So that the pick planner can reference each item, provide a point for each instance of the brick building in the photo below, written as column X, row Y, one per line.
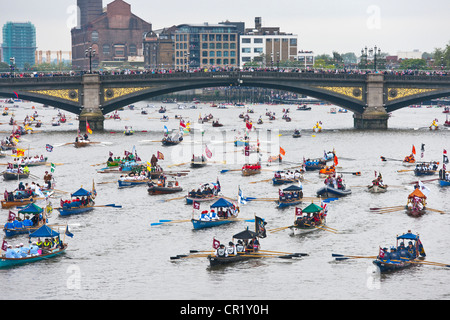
column 115, row 33
column 159, row 48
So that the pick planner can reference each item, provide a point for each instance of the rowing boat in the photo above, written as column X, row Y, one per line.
column 251, row 169
column 377, row 188
column 400, row 257
column 77, row 206
column 416, row 204
column 7, row 175
column 331, row 191
column 227, row 212
column 132, row 182
column 162, row 189
column 305, row 223
column 217, row 261
column 198, row 162
column 42, row 254
column 290, row 196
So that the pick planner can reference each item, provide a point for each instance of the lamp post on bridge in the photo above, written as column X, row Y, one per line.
column 90, row 53
column 371, row 52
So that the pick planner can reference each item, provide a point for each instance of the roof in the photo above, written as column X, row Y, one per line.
column 81, row 193
column 409, row 236
column 312, row 208
column 43, row 232
column 293, row 188
column 245, row 235
column 417, row 193
column 221, row 203
column 31, row 208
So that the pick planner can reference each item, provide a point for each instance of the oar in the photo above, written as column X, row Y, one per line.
column 109, row 205
column 178, row 198
column 385, row 159
column 266, row 180
column 290, row 253
column 428, row 180
column 381, row 208
column 310, row 225
column 435, row 210
column 279, row 229
column 167, row 222
column 389, row 211
column 225, row 170
column 178, row 164
column 429, row 263
column 345, row 257
column 358, row 173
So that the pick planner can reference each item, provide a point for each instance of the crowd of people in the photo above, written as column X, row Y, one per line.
column 397, row 253
column 242, row 247
column 36, row 248
column 288, row 175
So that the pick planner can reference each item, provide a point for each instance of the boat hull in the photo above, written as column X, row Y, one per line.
column 249, row 172
column 389, row 266
column 163, row 190
column 200, row 224
column 131, row 183
column 10, row 262
column 330, row 191
column 218, row 261
column 190, row 200
column 285, row 204
column 284, row 181
column 15, row 203
column 13, row 176
column 75, row 210
column 377, row 189
column 444, row 183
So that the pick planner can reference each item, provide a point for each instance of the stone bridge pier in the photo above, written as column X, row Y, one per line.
column 91, row 112
column 374, row 115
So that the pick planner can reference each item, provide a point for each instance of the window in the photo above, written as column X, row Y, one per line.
column 211, row 61
column 133, row 50
column 232, row 61
column 246, row 59
column 258, row 40
column 218, row 37
column 204, row 37
column 211, row 37
column 246, row 40
column 225, row 61
column 219, row 45
column 211, row 53
column 246, row 50
column 232, row 45
column 218, row 54
column 204, row 61
column 293, row 42
column 232, row 37
column 225, row 37
column 204, row 45
column 258, row 50
column 219, row 61
column 204, row 53
column 211, row 45
column 232, row 53
column 225, row 53
column 225, row 46
column 94, row 36
column 106, row 49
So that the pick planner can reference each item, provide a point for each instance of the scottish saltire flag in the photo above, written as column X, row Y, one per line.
column 241, row 198
column 48, row 147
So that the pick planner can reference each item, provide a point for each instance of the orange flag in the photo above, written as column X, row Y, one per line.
column 282, row 151
column 335, row 160
column 414, row 150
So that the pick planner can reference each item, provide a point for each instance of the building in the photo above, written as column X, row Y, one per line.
column 206, row 45
column 305, row 58
column 115, row 33
column 159, row 48
column 19, row 44
column 415, row 54
column 267, row 46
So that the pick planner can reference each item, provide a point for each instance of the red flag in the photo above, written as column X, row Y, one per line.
column 160, row 156
column 381, row 253
column 11, row 215
column 88, row 128
column 445, row 151
column 282, row 151
column 208, row 152
column 414, row 150
column 298, row 211
column 4, row 245
column 196, row 205
column 335, row 160
column 182, row 124
column 216, row 243
column 248, row 125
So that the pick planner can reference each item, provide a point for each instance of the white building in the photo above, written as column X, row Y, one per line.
column 267, row 49
column 306, row 58
column 415, row 54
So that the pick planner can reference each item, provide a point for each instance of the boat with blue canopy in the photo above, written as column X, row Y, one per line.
column 290, row 196
column 82, row 201
column 15, row 225
column 227, row 212
column 13, row 257
column 401, row 256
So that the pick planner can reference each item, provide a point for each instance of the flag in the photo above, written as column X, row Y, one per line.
column 196, row 205
column 420, row 248
column 48, row 147
column 422, row 149
column 160, row 156
column 414, row 150
column 165, row 129
column 335, row 160
column 208, row 152
column 425, row 190
column 182, row 124
column 298, row 211
column 218, row 186
column 88, row 129
column 52, row 167
column 381, row 253
column 68, row 233
column 260, row 227
column 216, row 243
column 241, row 199
column 282, row 151
column 4, row 245
column 248, row 125
column 11, row 215
column 20, row 152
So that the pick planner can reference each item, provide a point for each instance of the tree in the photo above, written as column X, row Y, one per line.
column 414, row 64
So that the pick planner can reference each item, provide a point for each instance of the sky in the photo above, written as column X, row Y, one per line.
column 322, row 26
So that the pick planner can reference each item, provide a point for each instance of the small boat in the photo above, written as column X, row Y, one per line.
column 317, row 127
column 377, row 188
column 161, row 188
column 327, row 171
column 401, row 256
column 303, row 108
column 80, row 143
column 227, row 212
column 251, row 169
column 198, row 162
column 314, row 219
column 444, row 183
column 241, row 142
column 129, row 182
column 296, row 134
column 260, row 121
column 426, row 168
column 171, row 141
column 162, row 110
column 128, row 131
column 25, row 226
column 434, row 125
column 285, row 177
column 416, row 204
column 334, row 187
column 12, row 174
column 217, row 124
column 41, row 254
column 314, row 164
column 164, row 118
column 333, row 110
column 77, row 205
column 290, row 196
column 444, row 178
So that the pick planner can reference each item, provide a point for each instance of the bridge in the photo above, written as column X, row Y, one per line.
column 369, row 96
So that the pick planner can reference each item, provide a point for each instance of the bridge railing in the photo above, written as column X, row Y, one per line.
column 43, row 80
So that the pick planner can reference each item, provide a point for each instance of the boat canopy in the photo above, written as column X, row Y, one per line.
column 31, row 208
column 408, row 236
column 221, row 203
column 293, row 188
column 44, row 232
column 81, row 193
column 417, row 193
column 312, row 208
column 245, row 235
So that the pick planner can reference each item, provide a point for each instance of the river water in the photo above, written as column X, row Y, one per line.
column 116, row 254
